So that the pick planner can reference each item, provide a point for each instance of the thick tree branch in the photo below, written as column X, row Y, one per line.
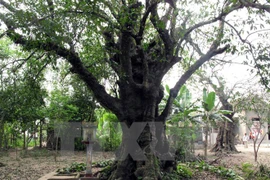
column 99, row 91
column 143, row 22
column 163, row 32
column 51, row 8
column 174, row 91
column 166, row 66
column 125, row 60
column 6, row 5
column 255, row 5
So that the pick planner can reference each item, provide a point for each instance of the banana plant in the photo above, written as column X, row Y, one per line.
column 210, row 115
column 183, row 107
column 182, row 125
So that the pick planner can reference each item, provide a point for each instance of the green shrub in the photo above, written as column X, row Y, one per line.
column 248, row 170
column 74, row 167
column 263, row 172
column 79, row 146
column 184, row 171
column 219, row 170
column 170, row 176
column 109, row 134
column 103, row 163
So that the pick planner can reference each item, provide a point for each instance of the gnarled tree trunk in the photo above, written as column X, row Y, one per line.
column 225, row 138
column 226, row 135
column 218, row 146
column 144, row 143
column 229, row 137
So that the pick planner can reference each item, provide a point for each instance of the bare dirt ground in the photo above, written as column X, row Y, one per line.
column 235, row 161
column 247, row 156
column 32, row 166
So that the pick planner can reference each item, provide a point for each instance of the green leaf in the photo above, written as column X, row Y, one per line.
column 167, row 89
column 211, row 101
column 224, row 111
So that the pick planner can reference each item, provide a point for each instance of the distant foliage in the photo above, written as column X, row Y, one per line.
column 109, row 134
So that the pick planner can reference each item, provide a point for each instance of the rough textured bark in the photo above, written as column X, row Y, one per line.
column 139, row 107
column 51, row 139
column 229, row 137
column 218, row 146
column 1, row 133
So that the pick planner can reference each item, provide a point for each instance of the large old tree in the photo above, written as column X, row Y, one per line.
column 133, row 44
column 226, row 135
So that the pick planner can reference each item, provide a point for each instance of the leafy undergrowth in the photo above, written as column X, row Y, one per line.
column 219, row 171
column 201, row 170
column 258, row 172
column 79, row 167
column 191, row 170
column 74, row 167
column 194, row 170
column 103, row 163
column 182, row 172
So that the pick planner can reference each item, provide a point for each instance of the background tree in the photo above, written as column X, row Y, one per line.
column 256, row 53
column 259, row 104
column 22, row 96
column 135, row 42
column 226, row 135
column 210, row 115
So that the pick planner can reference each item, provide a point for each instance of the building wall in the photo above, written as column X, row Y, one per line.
column 248, row 126
column 245, row 123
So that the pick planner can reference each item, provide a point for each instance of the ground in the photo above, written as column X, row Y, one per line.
column 35, row 164
column 31, row 166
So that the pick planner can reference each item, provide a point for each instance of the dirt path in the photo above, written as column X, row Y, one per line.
column 31, row 166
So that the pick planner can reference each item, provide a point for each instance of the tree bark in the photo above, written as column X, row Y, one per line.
column 218, row 146
column 40, row 133
column 225, row 138
column 50, row 139
column 1, row 133
column 24, row 140
column 141, row 116
column 229, row 145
